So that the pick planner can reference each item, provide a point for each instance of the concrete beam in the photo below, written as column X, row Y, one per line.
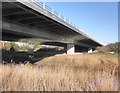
column 85, row 45
column 24, row 30
column 19, row 29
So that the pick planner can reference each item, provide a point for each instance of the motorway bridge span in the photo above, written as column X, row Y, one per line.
column 33, row 19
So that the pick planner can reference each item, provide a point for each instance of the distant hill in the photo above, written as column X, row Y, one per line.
column 112, row 47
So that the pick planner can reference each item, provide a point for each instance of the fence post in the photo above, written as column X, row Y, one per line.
column 52, row 11
column 43, row 5
column 59, row 15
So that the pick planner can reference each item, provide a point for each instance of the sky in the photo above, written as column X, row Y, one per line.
column 98, row 19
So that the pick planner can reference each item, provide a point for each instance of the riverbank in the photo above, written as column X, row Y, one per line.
column 86, row 72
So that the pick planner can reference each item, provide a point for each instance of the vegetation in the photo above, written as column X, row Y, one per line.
column 15, row 46
column 113, row 47
column 88, row 72
column 8, row 45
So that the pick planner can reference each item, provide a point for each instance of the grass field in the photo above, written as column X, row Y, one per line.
column 87, row 72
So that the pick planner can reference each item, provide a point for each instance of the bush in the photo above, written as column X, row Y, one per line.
column 113, row 47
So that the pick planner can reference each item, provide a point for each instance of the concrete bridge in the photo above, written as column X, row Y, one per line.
column 33, row 19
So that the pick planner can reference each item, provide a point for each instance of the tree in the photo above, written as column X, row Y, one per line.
column 113, row 47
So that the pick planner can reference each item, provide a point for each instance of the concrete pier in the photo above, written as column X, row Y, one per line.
column 90, row 50
column 70, row 48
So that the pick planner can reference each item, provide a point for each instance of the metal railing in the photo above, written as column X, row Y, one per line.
column 50, row 10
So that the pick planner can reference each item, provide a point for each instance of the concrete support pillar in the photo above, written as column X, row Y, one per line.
column 90, row 50
column 70, row 48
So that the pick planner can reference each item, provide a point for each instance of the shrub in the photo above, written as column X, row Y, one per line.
column 113, row 47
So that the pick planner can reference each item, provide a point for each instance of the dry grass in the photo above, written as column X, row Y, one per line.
column 63, row 73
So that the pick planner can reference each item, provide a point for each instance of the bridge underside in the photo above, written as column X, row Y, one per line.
column 19, row 14
column 20, row 21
